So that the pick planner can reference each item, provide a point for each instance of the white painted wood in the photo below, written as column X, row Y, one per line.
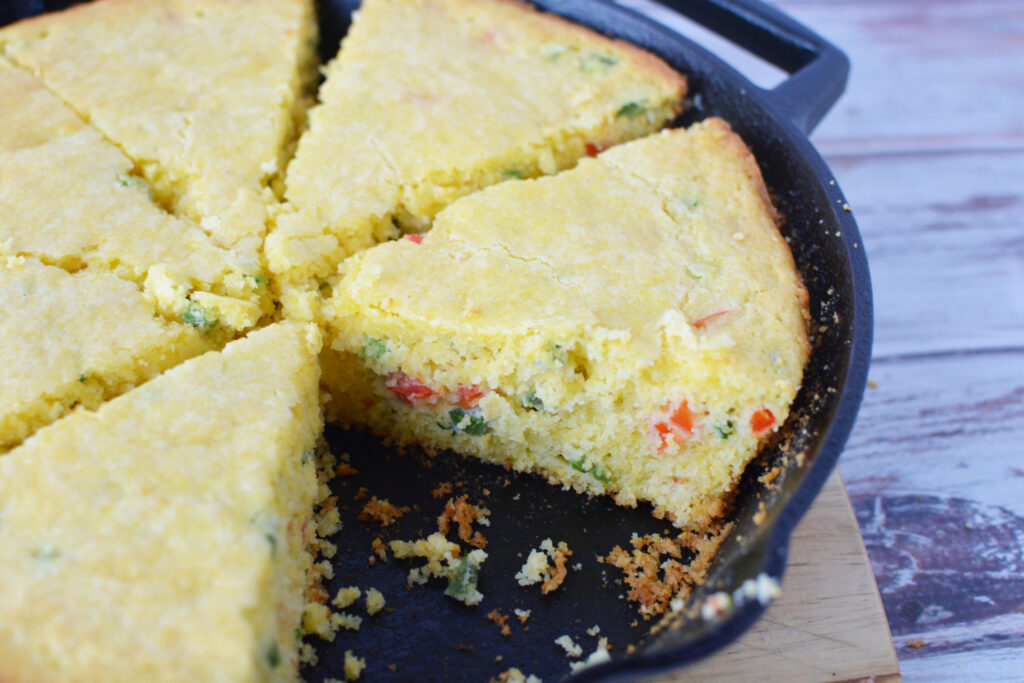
column 948, row 426
column 944, row 235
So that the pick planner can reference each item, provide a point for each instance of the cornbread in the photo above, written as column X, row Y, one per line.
column 70, row 198
column 205, row 98
column 161, row 538
column 77, row 339
column 430, row 101
column 634, row 326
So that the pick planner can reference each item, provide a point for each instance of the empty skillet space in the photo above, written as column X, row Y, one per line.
column 431, row 636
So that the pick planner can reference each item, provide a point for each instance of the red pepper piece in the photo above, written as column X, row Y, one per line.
column 683, row 417
column 761, row 421
column 418, row 239
column 469, row 396
column 594, row 149
column 408, row 389
column 702, row 322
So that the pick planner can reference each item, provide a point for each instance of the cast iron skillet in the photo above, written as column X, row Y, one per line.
column 430, row 637
column 442, row 643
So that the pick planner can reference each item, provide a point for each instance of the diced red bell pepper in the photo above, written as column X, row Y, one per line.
column 683, row 417
column 702, row 322
column 663, row 431
column 594, row 149
column 418, row 239
column 761, row 421
column 469, row 396
column 408, row 389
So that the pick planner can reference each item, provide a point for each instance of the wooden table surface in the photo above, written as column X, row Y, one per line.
column 928, row 145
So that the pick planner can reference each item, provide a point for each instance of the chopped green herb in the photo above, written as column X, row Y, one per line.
column 694, row 274
column 689, row 201
column 134, row 182
column 300, row 633
column 462, row 586
column 554, row 52
column 273, row 656
column 373, row 348
column 513, row 173
column 597, row 61
column 83, row 378
column 725, row 429
column 197, row 316
column 533, row 401
column 630, row 110
column 601, row 474
column 259, row 279
column 476, row 425
column 596, row 471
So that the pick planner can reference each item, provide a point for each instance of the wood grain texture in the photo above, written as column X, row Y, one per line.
column 828, row 625
column 943, row 235
column 926, row 75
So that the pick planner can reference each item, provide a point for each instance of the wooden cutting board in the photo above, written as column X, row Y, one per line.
column 828, row 625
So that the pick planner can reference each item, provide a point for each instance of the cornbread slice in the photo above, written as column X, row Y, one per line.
column 76, row 340
column 161, row 537
column 70, row 198
column 633, row 326
column 430, row 101
column 204, row 97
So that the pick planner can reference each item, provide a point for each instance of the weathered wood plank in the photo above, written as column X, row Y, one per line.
column 945, row 240
column 926, row 75
column 951, row 427
column 935, row 467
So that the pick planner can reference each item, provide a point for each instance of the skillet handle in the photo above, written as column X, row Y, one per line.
column 817, row 69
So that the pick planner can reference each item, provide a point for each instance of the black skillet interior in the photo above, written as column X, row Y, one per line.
column 430, row 637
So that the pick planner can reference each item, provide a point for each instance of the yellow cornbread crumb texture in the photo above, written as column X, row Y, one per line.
column 207, row 106
column 633, row 326
column 103, row 216
column 76, row 340
column 475, row 93
column 213, row 460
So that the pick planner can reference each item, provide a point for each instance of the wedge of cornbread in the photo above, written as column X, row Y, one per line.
column 163, row 537
column 70, row 340
column 633, row 326
column 205, row 98
column 70, row 198
column 429, row 101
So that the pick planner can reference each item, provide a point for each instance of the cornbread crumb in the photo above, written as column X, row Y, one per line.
column 599, row 655
column 439, row 552
column 441, row 490
column 382, row 512
column 346, row 596
column 346, row 620
column 374, row 601
column 593, row 630
column 514, row 675
column 353, row 666
column 501, row 620
column 570, row 646
column 655, row 571
column 537, row 568
column 464, row 514
column 522, row 614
